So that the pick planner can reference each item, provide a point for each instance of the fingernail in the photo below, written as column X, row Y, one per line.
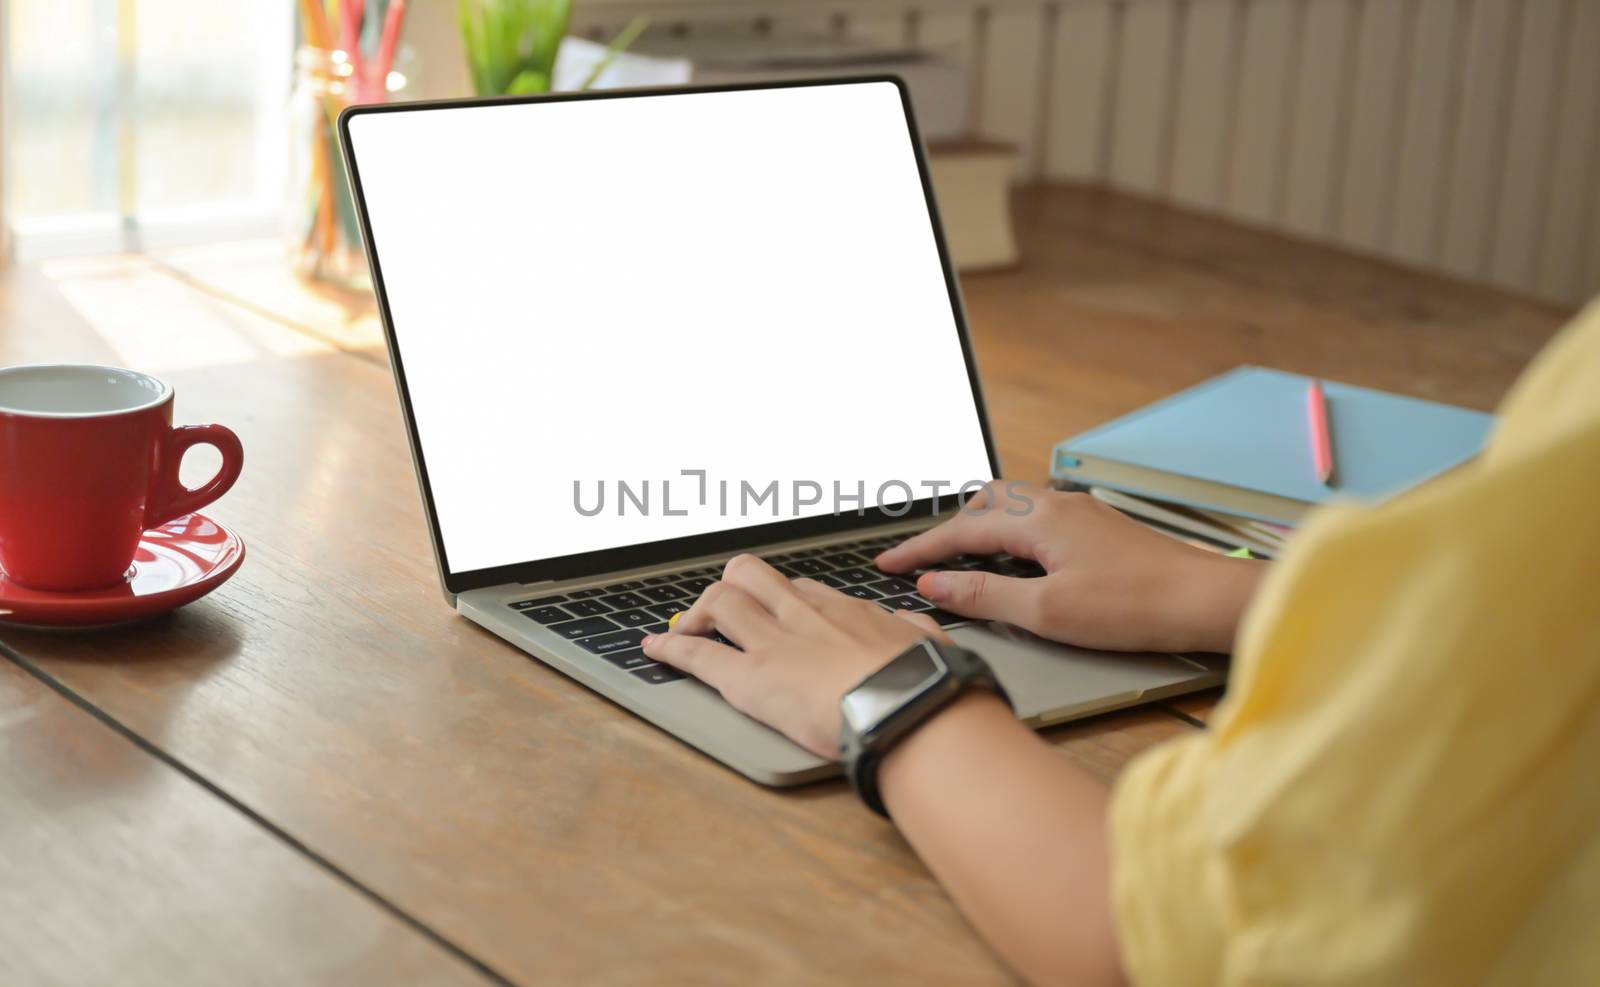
column 932, row 585
column 648, row 639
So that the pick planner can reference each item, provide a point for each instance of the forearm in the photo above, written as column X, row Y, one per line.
column 1017, row 835
column 1206, row 600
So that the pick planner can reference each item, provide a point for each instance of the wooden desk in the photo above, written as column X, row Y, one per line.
column 119, row 869
column 518, row 819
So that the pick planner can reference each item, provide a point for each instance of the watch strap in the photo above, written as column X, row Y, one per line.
column 862, row 770
column 861, row 765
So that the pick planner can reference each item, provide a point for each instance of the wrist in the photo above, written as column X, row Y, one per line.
column 939, row 737
column 1209, row 598
column 901, row 700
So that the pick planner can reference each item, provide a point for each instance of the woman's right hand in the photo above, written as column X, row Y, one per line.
column 1110, row 582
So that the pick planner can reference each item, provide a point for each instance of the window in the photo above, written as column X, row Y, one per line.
column 136, row 123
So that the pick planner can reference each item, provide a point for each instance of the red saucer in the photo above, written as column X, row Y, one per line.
column 177, row 563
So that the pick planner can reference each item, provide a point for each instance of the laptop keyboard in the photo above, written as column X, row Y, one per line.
column 610, row 621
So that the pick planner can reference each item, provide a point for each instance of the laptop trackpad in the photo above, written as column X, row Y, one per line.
column 1051, row 682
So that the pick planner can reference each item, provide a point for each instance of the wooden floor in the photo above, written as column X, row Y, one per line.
column 1119, row 301
column 319, row 773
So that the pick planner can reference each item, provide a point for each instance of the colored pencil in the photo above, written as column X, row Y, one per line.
column 350, row 32
column 323, row 166
column 316, row 24
column 392, row 21
column 1321, row 438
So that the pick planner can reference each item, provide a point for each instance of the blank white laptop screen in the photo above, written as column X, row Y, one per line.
column 592, row 292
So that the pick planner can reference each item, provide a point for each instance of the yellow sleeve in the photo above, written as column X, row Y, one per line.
column 1400, row 787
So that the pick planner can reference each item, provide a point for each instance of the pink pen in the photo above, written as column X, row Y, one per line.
column 1321, row 438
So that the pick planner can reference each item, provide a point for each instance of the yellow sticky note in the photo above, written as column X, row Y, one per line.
column 672, row 621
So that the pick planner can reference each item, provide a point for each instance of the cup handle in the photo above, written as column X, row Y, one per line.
column 172, row 499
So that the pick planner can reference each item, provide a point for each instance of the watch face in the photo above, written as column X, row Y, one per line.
column 890, row 688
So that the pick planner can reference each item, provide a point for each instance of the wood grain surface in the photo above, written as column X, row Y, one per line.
column 119, row 869
column 329, row 690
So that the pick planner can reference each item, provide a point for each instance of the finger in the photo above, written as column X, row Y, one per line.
column 727, row 608
column 924, row 622
column 766, row 585
column 816, row 592
column 705, row 659
column 825, row 597
column 987, row 533
column 983, row 595
column 838, row 609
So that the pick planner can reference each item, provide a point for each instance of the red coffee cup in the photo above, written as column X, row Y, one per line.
column 88, row 462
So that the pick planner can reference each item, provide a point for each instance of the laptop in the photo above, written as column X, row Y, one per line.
column 636, row 333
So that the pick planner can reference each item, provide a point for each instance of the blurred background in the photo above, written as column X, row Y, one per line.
column 1458, row 136
column 167, row 115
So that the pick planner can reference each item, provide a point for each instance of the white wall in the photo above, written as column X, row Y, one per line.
column 1457, row 135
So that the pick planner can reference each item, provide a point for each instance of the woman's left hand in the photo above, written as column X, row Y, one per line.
column 804, row 646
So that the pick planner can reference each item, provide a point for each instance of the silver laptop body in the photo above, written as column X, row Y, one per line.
column 581, row 612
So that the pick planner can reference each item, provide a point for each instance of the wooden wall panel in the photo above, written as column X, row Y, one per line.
column 1460, row 135
column 796, row 22
column 1138, row 114
column 1535, row 103
column 950, row 32
column 1083, row 59
column 1572, row 201
column 1589, row 269
column 1430, row 88
column 1013, row 71
column 954, row 33
column 1376, row 113
column 1268, row 64
column 888, row 27
column 1320, row 117
column 1475, row 160
column 1203, row 118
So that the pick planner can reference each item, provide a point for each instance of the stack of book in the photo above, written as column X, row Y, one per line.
column 1233, row 462
column 1214, row 530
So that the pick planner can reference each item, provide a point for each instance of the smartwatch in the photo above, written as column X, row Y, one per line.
column 899, row 697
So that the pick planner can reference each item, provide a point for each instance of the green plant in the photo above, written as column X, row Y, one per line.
column 512, row 44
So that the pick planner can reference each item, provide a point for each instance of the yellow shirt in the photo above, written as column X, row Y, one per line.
column 1403, row 783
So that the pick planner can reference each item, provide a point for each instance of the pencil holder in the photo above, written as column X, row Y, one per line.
column 324, row 236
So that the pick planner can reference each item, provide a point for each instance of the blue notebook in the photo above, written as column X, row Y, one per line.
column 1240, row 443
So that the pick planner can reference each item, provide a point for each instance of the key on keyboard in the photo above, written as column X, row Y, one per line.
column 543, row 601
column 574, row 629
column 587, row 608
column 620, row 641
column 633, row 618
column 633, row 658
column 666, row 610
column 912, row 603
column 658, row 674
column 547, row 615
column 857, row 577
